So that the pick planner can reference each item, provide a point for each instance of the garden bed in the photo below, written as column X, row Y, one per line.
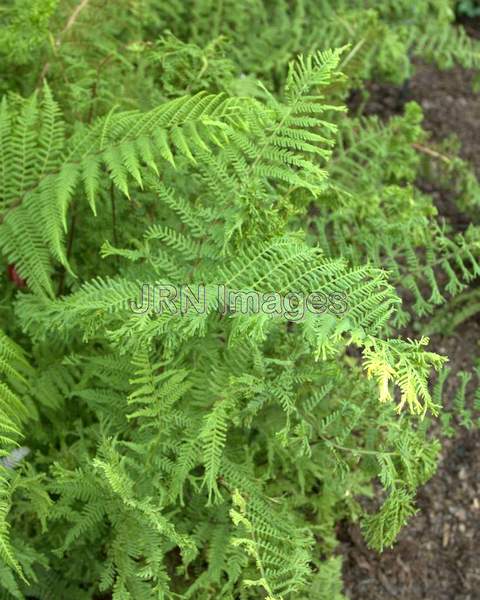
column 436, row 556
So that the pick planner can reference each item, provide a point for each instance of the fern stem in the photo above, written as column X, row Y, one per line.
column 58, row 41
column 114, row 216
column 360, row 450
column 71, row 234
column 433, row 153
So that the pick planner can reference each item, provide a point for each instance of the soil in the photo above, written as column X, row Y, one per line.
column 436, row 556
column 448, row 99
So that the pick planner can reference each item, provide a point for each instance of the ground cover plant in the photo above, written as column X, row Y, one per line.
column 150, row 450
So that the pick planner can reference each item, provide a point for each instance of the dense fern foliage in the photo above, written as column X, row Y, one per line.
column 159, row 440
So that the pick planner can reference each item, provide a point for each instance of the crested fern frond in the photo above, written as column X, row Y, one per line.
column 405, row 364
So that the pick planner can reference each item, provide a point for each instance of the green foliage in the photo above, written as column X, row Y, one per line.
column 24, row 28
column 468, row 8
column 179, row 453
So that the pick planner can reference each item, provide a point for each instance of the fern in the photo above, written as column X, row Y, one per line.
column 159, row 164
